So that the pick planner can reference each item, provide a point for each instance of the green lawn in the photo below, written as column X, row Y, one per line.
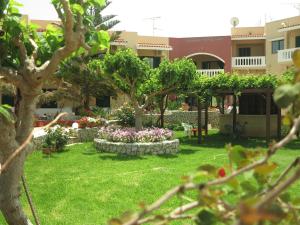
column 83, row 187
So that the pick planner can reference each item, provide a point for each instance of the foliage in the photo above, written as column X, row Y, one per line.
column 207, row 86
column 100, row 112
column 130, row 135
column 174, row 126
column 6, row 113
column 133, row 77
column 89, row 122
column 77, row 71
column 56, row 138
column 125, row 116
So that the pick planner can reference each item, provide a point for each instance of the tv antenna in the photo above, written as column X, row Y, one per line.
column 234, row 21
column 154, row 19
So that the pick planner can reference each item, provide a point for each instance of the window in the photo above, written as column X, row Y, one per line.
column 244, row 52
column 297, row 42
column 153, row 61
column 277, row 45
column 103, row 101
column 8, row 100
column 212, row 65
column 255, row 104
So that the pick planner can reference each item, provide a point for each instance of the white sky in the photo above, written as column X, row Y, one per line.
column 181, row 18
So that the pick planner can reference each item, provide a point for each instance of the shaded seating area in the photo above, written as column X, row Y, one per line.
column 253, row 114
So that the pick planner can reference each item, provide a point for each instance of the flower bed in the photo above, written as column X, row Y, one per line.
column 154, row 148
column 129, row 135
column 130, row 142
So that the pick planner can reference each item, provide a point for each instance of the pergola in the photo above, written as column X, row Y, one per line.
column 267, row 92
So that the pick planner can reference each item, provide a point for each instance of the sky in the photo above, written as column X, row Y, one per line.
column 178, row 18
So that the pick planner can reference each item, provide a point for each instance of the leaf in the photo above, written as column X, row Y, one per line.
column 210, row 169
column 206, row 217
column 98, row 2
column 115, row 222
column 237, row 154
column 248, row 187
column 4, row 111
column 77, row 9
column 266, row 169
column 286, row 94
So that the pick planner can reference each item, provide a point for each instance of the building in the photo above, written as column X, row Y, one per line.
column 254, row 50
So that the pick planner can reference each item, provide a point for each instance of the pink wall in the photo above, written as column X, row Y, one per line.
column 219, row 46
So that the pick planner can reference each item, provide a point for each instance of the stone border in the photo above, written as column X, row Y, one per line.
column 155, row 148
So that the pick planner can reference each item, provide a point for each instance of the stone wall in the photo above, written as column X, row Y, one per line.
column 156, row 148
column 178, row 117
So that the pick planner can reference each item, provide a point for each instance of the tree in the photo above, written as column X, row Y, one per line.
column 168, row 71
column 27, row 61
column 133, row 77
column 76, row 70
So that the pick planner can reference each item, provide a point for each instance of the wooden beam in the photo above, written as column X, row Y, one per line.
column 199, row 108
column 234, row 115
column 206, row 118
column 279, row 123
column 268, row 117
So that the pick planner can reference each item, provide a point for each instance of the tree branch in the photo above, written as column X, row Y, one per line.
column 278, row 190
column 22, row 49
column 24, row 145
column 72, row 42
column 35, row 46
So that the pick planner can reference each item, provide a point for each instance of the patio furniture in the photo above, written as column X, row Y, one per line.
column 187, row 129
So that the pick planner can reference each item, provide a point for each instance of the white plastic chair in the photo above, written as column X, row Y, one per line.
column 187, row 129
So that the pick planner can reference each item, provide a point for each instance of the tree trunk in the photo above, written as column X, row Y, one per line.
column 162, row 107
column 138, row 118
column 86, row 102
column 12, row 136
column 10, row 205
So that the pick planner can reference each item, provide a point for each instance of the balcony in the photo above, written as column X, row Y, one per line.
column 286, row 55
column 211, row 72
column 249, row 62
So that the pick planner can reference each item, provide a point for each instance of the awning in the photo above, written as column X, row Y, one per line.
column 248, row 37
column 150, row 46
column 288, row 28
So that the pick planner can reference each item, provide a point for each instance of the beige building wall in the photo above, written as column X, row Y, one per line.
column 274, row 31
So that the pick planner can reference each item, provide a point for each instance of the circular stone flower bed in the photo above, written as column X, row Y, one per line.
column 129, row 142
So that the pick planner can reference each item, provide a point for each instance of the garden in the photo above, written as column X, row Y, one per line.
column 127, row 167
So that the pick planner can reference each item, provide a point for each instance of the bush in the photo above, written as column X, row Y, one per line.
column 89, row 122
column 126, row 116
column 174, row 127
column 129, row 135
column 56, row 139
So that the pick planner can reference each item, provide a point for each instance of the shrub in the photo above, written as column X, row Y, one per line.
column 56, row 139
column 129, row 135
column 89, row 122
column 126, row 116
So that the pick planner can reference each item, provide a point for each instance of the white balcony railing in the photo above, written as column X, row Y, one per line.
column 249, row 62
column 211, row 72
column 286, row 55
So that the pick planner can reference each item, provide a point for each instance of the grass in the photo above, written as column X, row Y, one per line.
column 83, row 187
